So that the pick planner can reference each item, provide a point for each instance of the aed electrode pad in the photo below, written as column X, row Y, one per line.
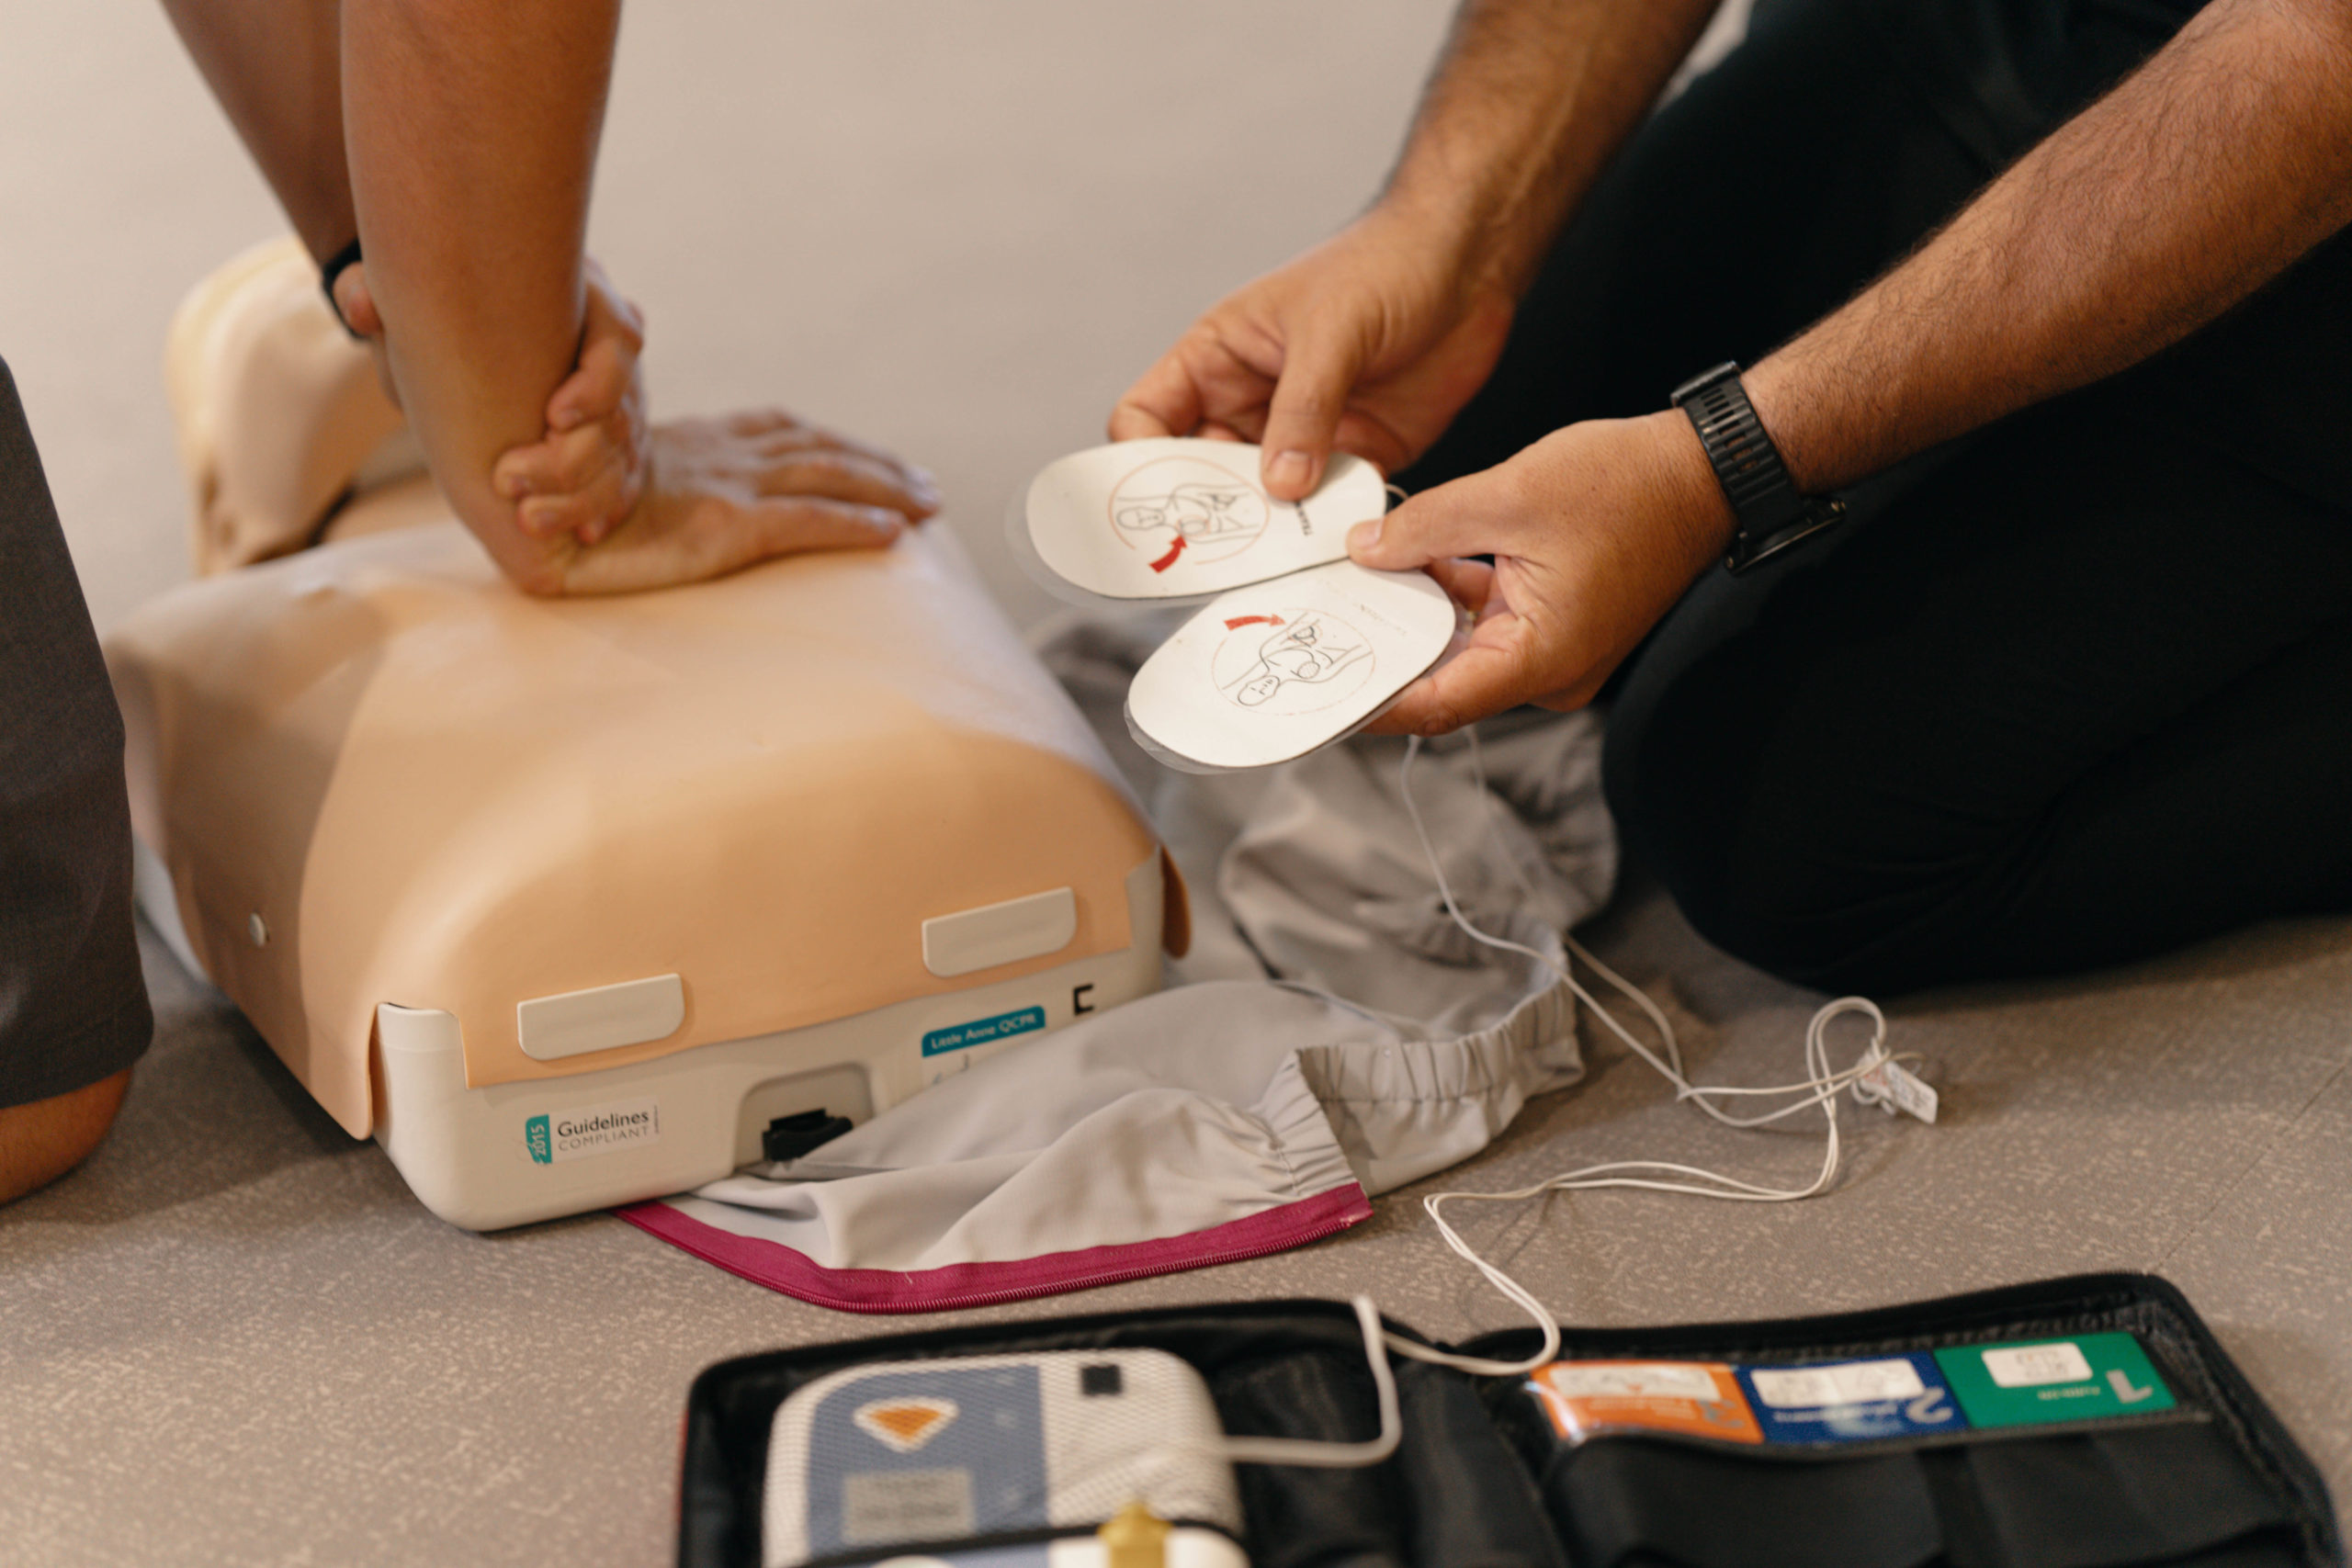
column 1274, row 670
column 1178, row 517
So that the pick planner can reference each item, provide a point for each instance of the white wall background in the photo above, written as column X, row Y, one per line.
column 958, row 229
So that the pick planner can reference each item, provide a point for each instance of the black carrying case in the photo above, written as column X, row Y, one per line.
column 1482, row 1479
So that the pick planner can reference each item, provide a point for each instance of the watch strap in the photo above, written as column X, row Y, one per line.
column 330, row 271
column 1769, row 514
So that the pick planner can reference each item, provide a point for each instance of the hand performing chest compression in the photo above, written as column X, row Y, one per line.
column 618, row 503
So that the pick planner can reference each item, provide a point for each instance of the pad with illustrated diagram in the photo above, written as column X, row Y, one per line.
column 1298, row 647
column 1180, row 518
column 1291, row 661
column 1187, row 509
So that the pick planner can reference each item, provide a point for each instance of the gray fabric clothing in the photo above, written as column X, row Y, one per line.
column 1331, row 1030
column 72, row 1004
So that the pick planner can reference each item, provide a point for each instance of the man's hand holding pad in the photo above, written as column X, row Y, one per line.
column 1596, row 531
column 1370, row 342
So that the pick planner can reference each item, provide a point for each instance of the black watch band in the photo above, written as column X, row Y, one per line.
column 333, row 269
column 1767, row 513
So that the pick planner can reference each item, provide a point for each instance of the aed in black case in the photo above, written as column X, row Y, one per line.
column 1482, row 1478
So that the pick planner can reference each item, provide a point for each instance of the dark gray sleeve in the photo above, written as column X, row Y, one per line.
column 72, row 1004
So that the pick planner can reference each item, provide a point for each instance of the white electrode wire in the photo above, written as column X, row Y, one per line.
column 1340, row 1456
column 1820, row 1087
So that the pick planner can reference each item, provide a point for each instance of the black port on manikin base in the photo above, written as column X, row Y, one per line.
column 789, row 1137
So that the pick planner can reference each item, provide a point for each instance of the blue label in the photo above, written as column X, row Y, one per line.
column 1852, row 1401
column 982, row 1031
column 540, row 1142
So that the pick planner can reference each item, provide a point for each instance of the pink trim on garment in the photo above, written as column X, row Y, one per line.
column 982, row 1284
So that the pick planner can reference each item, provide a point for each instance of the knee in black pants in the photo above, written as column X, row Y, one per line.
column 1778, row 783
column 1784, row 890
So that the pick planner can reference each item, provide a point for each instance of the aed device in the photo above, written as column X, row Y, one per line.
column 999, row 1460
column 574, row 902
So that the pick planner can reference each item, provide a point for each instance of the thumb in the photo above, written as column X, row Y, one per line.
column 1479, row 681
column 357, row 303
column 1444, row 523
column 1318, row 372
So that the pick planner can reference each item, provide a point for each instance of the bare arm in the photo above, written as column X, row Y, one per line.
column 1527, row 104
column 2202, row 176
column 460, row 140
column 1373, row 341
column 472, row 142
column 277, row 69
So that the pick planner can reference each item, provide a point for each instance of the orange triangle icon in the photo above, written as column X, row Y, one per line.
column 902, row 1426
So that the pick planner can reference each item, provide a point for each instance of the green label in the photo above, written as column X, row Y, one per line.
column 980, row 1031
column 536, row 1139
column 2087, row 1378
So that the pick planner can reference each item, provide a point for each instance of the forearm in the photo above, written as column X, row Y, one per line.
column 2192, row 184
column 1528, row 103
column 472, row 139
column 276, row 70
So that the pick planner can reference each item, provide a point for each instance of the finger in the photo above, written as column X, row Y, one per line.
column 777, row 430
column 1249, row 424
column 1164, row 400
column 1482, row 680
column 628, row 488
column 544, row 516
column 814, row 438
column 764, row 421
column 849, row 476
column 1469, row 583
column 1318, row 371
column 595, row 388
column 562, row 462
column 593, row 511
column 811, row 523
column 1459, row 519
column 356, row 301
column 612, row 341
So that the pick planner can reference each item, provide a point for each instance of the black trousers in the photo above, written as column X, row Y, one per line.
column 2072, row 691
column 73, row 1005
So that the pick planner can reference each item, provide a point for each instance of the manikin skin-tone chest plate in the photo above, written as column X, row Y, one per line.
column 377, row 774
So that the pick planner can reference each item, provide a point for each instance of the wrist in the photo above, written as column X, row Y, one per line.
column 1691, row 501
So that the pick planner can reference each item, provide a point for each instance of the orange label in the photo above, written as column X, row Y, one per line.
column 1698, row 1399
column 902, row 1426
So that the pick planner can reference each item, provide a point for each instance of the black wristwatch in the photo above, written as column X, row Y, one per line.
column 1769, row 514
column 334, row 267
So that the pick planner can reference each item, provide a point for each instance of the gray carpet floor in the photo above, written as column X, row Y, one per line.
column 234, row 1337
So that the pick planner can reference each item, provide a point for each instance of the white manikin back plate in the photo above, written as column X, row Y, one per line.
column 1180, row 517
column 1273, row 671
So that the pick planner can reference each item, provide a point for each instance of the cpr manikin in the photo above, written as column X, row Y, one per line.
column 567, row 900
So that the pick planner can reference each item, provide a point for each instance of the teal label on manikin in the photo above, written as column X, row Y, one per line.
column 540, row 1142
column 982, row 1031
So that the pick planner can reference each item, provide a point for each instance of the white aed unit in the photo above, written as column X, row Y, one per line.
column 570, row 902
